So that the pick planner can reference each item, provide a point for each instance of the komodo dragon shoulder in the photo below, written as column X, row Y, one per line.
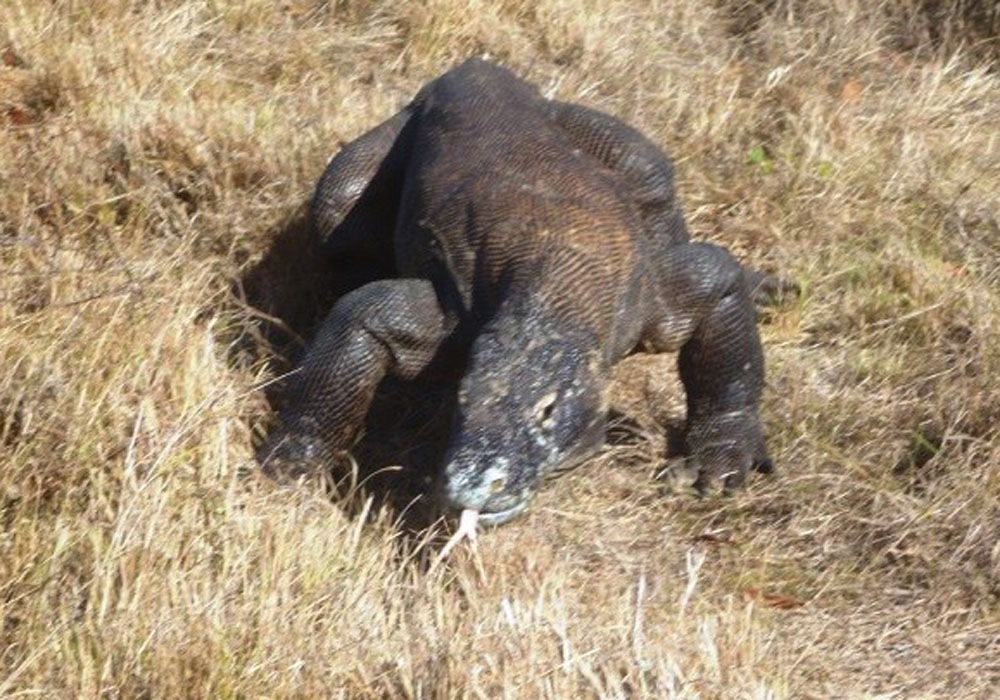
column 535, row 243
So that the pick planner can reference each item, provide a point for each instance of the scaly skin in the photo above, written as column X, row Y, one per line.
column 537, row 243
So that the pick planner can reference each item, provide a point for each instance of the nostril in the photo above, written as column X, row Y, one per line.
column 496, row 486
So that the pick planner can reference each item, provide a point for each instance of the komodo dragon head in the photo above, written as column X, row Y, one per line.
column 532, row 402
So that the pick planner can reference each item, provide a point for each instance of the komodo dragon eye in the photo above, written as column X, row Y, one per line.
column 545, row 410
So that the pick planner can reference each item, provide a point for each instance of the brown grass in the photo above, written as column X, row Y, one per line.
column 151, row 151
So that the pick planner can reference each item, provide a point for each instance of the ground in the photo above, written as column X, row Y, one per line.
column 153, row 152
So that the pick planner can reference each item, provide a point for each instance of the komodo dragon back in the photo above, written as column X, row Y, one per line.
column 534, row 243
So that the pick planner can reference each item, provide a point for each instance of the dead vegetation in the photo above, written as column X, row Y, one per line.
column 152, row 151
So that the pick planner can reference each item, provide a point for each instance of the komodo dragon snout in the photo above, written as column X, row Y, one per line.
column 529, row 405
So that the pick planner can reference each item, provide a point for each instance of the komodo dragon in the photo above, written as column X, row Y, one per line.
column 537, row 243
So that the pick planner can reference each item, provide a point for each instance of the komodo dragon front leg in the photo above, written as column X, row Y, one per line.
column 704, row 307
column 389, row 327
column 386, row 327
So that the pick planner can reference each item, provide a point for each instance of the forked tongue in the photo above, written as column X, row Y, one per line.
column 466, row 528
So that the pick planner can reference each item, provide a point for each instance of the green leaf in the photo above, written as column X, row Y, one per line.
column 757, row 155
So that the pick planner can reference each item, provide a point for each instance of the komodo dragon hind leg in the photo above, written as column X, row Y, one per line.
column 709, row 314
column 646, row 170
column 649, row 178
column 356, row 202
column 389, row 327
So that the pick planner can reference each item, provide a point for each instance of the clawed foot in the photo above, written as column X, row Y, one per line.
column 723, row 449
column 289, row 458
column 769, row 290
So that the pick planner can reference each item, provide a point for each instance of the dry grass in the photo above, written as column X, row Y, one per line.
column 150, row 151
